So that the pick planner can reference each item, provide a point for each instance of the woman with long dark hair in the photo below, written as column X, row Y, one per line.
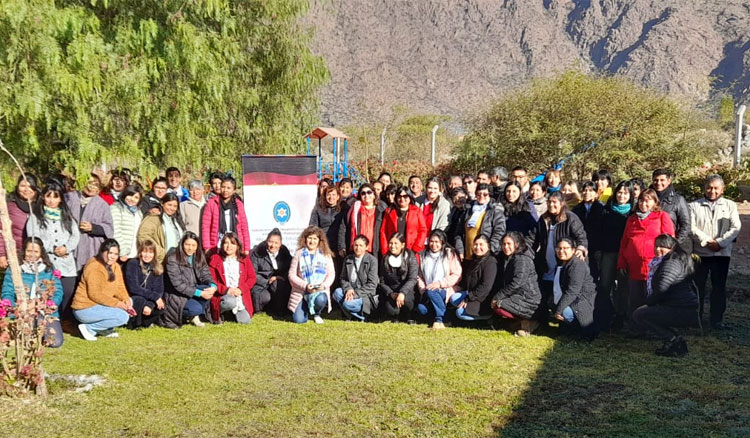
column 145, row 283
column 36, row 269
column 438, row 276
column 101, row 302
column 53, row 224
column 234, row 276
column 126, row 219
column 328, row 214
column 519, row 296
column 671, row 300
column 435, row 207
column 19, row 208
column 518, row 217
column 398, row 277
column 364, row 217
column 189, row 284
column 166, row 228
column 619, row 206
column 473, row 300
column 223, row 214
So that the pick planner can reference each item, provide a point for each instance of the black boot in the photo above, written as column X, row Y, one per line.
column 675, row 347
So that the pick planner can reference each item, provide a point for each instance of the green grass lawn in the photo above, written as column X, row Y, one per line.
column 275, row 378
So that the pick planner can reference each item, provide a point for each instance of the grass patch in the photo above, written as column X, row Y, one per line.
column 274, row 378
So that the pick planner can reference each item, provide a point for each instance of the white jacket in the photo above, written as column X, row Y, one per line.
column 722, row 224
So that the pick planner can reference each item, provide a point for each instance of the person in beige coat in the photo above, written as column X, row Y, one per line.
column 714, row 226
column 192, row 209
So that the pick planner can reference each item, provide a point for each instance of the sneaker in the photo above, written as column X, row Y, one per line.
column 437, row 326
column 521, row 334
column 528, row 326
column 675, row 347
column 196, row 321
column 318, row 319
column 86, row 333
column 112, row 334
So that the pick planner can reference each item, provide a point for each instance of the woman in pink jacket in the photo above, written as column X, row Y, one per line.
column 311, row 275
column 637, row 245
column 222, row 214
column 439, row 273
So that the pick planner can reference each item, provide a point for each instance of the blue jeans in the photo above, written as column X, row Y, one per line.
column 437, row 299
column 568, row 314
column 455, row 300
column 302, row 313
column 100, row 318
column 352, row 307
column 194, row 306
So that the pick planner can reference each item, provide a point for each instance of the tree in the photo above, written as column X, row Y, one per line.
column 598, row 122
column 148, row 84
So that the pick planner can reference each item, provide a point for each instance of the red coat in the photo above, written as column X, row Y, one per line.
column 247, row 281
column 210, row 225
column 637, row 243
column 416, row 230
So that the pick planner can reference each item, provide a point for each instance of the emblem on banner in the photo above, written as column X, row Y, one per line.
column 281, row 212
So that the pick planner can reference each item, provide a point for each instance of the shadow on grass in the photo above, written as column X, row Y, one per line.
column 618, row 387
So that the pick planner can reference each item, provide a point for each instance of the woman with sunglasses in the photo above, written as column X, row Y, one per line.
column 483, row 217
column 364, row 217
column 406, row 218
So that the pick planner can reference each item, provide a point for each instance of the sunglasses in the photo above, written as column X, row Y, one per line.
column 367, row 192
column 404, row 197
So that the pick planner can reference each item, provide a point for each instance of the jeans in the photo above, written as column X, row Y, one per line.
column 194, row 307
column 437, row 299
column 455, row 300
column 568, row 315
column 53, row 334
column 353, row 307
column 718, row 267
column 98, row 318
column 228, row 303
column 659, row 320
column 302, row 312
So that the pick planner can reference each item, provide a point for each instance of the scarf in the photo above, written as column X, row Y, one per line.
column 132, row 209
column 622, row 209
column 652, row 265
column 641, row 215
column 33, row 268
column 52, row 214
column 476, row 213
column 225, row 227
column 313, row 266
column 432, row 267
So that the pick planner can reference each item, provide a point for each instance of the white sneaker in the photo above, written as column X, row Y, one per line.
column 196, row 321
column 318, row 319
column 86, row 333
column 112, row 335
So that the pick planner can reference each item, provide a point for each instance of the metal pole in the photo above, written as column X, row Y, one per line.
column 346, row 162
column 335, row 160
column 382, row 147
column 738, row 136
column 434, row 132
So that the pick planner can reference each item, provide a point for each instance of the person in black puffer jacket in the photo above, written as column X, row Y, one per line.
column 573, row 297
column 479, row 275
column 519, row 295
column 271, row 260
column 671, row 300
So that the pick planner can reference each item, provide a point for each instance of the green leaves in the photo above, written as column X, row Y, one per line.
column 148, row 84
column 635, row 129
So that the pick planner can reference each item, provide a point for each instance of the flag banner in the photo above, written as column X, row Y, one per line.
column 279, row 192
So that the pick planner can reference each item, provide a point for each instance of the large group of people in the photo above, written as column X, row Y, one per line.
column 498, row 247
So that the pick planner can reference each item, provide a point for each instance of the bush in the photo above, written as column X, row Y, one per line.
column 692, row 186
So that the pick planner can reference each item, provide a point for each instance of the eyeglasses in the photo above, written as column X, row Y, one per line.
column 366, row 192
column 482, row 194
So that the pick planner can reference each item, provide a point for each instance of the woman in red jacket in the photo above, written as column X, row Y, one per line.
column 214, row 223
column 637, row 245
column 234, row 275
column 406, row 218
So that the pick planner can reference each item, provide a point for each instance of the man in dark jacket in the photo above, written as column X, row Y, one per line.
column 673, row 203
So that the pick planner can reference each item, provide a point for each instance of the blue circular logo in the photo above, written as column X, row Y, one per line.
column 281, row 212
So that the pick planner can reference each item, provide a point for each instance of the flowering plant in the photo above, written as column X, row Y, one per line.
column 22, row 345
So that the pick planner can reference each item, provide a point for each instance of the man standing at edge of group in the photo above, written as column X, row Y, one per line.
column 715, row 224
column 673, row 204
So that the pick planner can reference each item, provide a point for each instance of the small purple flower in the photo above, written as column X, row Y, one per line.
column 51, row 303
column 56, row 273
column 5, row 303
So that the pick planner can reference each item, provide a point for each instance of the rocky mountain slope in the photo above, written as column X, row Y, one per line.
column 452, row 56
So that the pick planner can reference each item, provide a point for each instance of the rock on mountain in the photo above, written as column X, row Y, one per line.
column 452, row 56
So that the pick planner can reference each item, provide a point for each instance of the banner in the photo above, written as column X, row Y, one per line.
column 279, row 192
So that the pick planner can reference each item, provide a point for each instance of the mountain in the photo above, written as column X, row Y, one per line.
column 453, row 56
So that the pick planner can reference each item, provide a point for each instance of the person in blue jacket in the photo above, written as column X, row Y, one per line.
column 36, row 268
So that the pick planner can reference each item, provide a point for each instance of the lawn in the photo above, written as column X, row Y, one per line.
column 276, row 379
